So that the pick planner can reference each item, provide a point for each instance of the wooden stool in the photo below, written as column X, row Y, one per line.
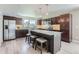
column 28, row 38
column 32, row 40
column 41, row 41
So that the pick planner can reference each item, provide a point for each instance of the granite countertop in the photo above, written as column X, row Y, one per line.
column 47, row 32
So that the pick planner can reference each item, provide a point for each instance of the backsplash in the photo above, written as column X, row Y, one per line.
column 56, row 26
column 19, row 27
column 42, row 26
column 52, row 27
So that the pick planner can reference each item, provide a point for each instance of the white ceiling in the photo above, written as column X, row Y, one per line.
column 32, row 10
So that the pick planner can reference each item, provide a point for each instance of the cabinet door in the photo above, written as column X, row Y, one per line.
column 19, row 21
column 65, row 36
column 55, row 20
column 64, row 21
column 39, row 22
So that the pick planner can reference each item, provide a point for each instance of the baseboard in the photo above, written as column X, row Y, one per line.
column 75, row 41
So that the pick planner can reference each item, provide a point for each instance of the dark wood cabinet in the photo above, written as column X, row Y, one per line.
column 19, row 21
column 21, row 33
column 55, row 20
column 64, row 21
column 39, row 22
column 8, row 17
column 65, row 29
column 65, row 26
column 65, row 35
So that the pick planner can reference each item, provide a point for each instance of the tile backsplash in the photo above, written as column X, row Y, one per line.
column 19, row 27
column 53, row 27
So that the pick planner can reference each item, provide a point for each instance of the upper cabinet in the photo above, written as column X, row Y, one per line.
column 39, row 22
column 9, row 17
column 55, row 20
column 64, row 21
column 19, row 21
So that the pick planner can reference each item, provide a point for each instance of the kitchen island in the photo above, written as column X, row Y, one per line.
column 53, row 38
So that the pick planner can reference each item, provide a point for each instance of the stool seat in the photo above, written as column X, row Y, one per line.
column 41, row 40
column 32, row 36
column 27, row 34
column 32, row 40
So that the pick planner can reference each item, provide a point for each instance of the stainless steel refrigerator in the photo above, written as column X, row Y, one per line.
column 9, row 29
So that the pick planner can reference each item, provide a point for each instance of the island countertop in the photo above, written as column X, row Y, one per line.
column 47, row 32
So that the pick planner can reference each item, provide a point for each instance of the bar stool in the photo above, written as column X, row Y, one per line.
column 32, row 40
column 41, row 41
column 28, row 38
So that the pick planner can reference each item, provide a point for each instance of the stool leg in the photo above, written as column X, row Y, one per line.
column 47, row 46
column 30, row 39
column 41, row 48
column 35, row 45
column 26, row 39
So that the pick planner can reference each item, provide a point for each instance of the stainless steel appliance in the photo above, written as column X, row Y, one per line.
column 9, row 29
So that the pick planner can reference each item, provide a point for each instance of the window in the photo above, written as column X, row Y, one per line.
column 26, row 23
column 30, row 24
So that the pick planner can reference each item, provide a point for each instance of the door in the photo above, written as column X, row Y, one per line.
column 6, row 30
column 12, row 27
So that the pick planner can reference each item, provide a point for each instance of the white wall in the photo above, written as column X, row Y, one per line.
column 1, row 29
column 75, row 25
column 75, row 22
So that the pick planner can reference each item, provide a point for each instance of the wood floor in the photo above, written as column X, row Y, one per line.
column 19, row 46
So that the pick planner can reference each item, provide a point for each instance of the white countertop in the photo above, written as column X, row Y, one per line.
column 47, row 32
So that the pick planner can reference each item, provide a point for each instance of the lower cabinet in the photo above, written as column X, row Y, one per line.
column 65, row 36
column 21, row 33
